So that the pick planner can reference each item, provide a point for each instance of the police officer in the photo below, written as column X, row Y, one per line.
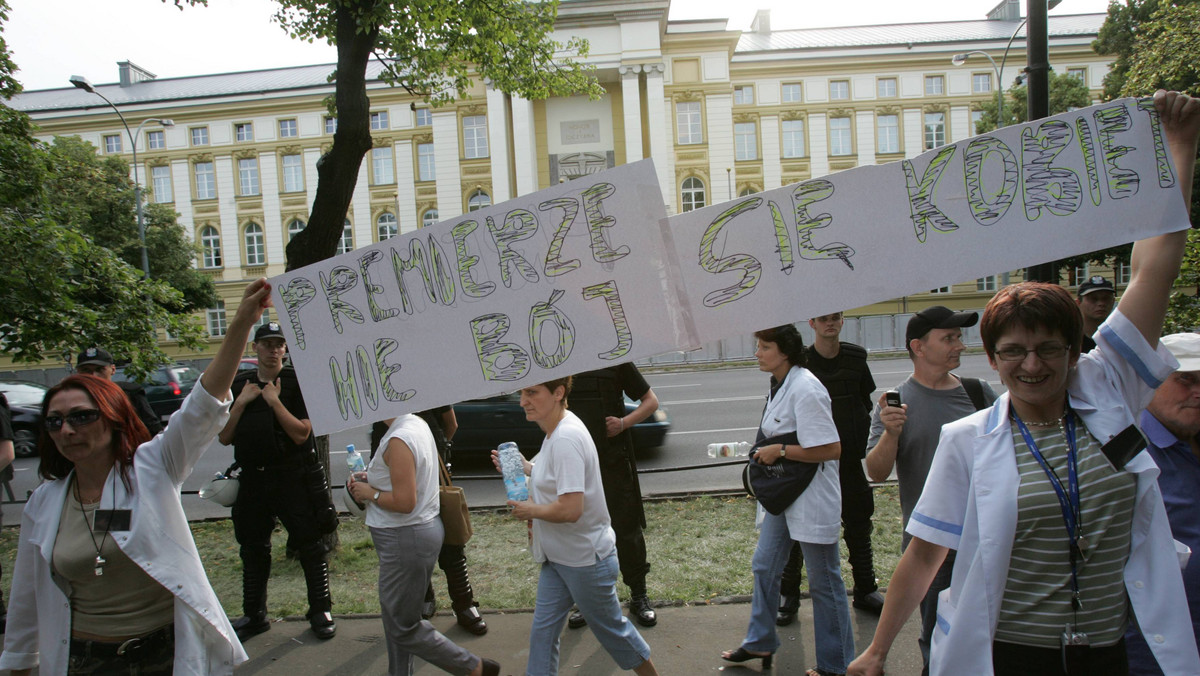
column 273, row 443
column 97, row 362
column 596, row 397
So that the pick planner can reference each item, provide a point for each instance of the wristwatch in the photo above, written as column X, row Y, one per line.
column 782, row 451
column 375, row 498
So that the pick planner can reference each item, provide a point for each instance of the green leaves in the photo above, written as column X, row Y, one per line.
column 1066, row 92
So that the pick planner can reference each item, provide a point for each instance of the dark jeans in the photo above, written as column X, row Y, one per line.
column 1011, row 659
column 90, row 658
column 929, row 608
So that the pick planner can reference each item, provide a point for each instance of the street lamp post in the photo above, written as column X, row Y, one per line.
column 82, row 83
column 960, row 59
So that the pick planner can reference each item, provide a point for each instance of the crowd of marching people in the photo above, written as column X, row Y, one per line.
column 1047, row 529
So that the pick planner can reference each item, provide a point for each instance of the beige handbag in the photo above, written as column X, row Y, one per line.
column 455, row 518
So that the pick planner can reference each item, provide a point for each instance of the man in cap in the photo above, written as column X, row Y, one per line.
column 98, row 362
column 273, row 444
column 1171, row 424
column 905, row 437
column 1095, row 300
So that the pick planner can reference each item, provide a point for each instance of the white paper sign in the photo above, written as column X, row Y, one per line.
column 553, row 283
column 1023, row 195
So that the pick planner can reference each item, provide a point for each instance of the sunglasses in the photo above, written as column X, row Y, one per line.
column 54, row 423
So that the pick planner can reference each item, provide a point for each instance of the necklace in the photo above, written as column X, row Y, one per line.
column 1049, row 423
column 91, row 527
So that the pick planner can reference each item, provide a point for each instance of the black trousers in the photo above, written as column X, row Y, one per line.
column 1011, row 659
column 624, row 502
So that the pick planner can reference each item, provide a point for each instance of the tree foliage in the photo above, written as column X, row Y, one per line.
column 1155, row 44
column 1066, row 92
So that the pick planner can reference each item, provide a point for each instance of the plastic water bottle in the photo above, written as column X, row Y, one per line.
column 354, row 460
column 729, row 449
column 512, row 465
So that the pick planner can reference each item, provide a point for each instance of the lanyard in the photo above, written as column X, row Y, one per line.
column 1068, row 499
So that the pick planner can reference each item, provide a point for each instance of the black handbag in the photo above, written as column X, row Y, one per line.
column 777, row 486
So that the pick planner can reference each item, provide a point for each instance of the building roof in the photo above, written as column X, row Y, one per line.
column 1071, row 25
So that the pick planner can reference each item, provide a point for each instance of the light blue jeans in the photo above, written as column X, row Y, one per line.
column 831, row 608
column 594, row 589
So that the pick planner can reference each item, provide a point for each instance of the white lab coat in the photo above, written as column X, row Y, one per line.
column 160, row 541
column 970, row 504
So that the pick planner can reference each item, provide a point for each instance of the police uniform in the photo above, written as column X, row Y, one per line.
column 595, row 395
column 94, row 356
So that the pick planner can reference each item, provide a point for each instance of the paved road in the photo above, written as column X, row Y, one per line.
column 705, row 406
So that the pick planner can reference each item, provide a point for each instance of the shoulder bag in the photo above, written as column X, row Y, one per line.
column 777, row 486
column 456, row 520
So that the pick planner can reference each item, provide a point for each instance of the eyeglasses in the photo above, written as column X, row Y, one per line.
column 54, row 423
column 1045, row 352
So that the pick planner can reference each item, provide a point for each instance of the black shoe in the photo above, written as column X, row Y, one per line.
column 245, row 627
column 428, row 609
column 789, row 607
column 471, row 620
column 872, row 603
column 576, row 621
column 490, row 667
column 639, row 607
column 322, row 624
column 743, row 655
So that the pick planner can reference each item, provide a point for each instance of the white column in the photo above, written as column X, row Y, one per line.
column 660, row 130
column 181, row 185
column 361, row 223
column 406, row 189
column 497, row 120
column 818, row 135
column 914, row 132
column 311, row 155
column 268, row 173
column 719, row 108
column 631, row 103
column 524, row 146
column 772, row 152
column 864, row 120
column 445, row 157
column 959, row 124
column 231, row 232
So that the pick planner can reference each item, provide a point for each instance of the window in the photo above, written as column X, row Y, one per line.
column 206, row 180
column 425, row 166
column 743, row 95
column 199, row 136
column 256, row 252
column 840, row 140
column 216, row 320
column 693, row 194
column 387, row 226
column 156, row 140
column 346, row 243
column 244, row 131
column 976, row 116
column 687, row 122
column 791, row 93
column 986, row 283
column 745, row 140
column 160, row 178
column 1078, row 73
column 478, row 200
column 887, row 134
column 379, row 120
column 793, row 138
column 263, row 320
column 330, row 124
column 429, row 218
column 382, row 169
column 112, row 143
column 839, row 90
column 294, row 228
column 424, row 117
column 885, row 87
column 935, row 130
column 475, row 143
column 1122, row 273
column 981, row 83
column 935, row 85
column 1079, row 274
column 940, row 289
column 293, row 173
column 747, row 191
column 287, row 129
column 210, row 246
column 248, row 175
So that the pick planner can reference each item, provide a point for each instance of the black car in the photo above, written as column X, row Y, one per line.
column 483, row 424
column 25, row 400
column 166, row 387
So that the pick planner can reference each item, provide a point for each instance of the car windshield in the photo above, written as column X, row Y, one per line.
column 23, row 394
column 186, row 375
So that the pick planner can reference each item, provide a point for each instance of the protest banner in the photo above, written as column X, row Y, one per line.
column 591, row 273
column 1022, row 195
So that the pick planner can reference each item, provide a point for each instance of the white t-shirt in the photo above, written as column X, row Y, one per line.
column 568, row 463
column 802, row 405
column 413, row 431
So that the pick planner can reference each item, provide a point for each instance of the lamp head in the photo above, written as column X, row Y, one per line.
column 958, row 59
column 82, row 83
column 166, row 122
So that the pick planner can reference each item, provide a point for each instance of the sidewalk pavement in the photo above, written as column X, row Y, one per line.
column 687, row 640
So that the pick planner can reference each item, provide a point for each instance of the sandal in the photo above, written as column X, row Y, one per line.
column 743, row 655
column 816, row 671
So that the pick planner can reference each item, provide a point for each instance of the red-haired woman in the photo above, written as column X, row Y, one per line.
column 1060, row 529
column 107, row 578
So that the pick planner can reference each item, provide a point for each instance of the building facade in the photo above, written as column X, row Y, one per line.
column 722, row 112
